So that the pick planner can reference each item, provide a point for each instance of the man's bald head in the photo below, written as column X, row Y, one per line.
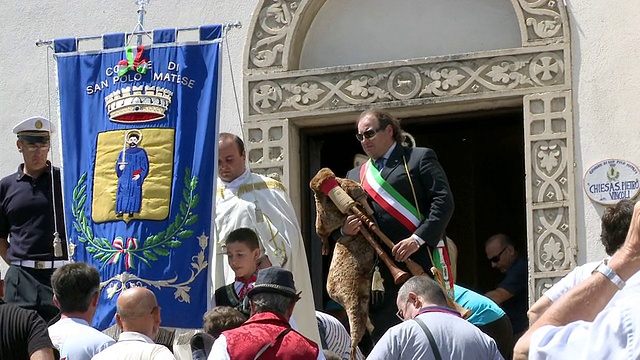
column 138, row 310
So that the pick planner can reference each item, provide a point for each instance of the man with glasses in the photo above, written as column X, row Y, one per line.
column 410, row 195
column 32, row 235
column 511, row 294
column 76, row 290
column 138, row 315
column 430, row 329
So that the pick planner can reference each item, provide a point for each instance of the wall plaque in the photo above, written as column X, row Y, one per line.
column 612, row 180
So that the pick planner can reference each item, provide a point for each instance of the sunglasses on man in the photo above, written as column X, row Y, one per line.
column 369, row 133
column 496, row 258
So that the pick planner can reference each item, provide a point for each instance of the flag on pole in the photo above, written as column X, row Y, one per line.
column 139, row 130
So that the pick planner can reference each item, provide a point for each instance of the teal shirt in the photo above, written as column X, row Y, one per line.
column 484, row 309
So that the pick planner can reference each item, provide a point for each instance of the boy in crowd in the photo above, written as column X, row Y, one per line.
column 243, row 252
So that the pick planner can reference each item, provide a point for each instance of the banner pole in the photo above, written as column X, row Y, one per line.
column 142, row 10
column 227, row 26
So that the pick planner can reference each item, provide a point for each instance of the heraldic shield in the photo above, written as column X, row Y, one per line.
column 139, row 132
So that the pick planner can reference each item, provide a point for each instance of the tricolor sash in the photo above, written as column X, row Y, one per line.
column 389, row 198
column 406, row 213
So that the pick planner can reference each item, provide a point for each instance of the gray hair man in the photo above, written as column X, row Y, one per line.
column 615, row 225
column 581, row 324
column 272, row 301
column 421, row 301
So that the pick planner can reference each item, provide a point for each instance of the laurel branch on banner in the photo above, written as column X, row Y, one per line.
column 126, row 280
column 129, row 248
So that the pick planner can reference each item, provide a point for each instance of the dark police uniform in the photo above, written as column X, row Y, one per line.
column 27, row 220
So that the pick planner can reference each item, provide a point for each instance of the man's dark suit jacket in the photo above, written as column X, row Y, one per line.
column 435, row 200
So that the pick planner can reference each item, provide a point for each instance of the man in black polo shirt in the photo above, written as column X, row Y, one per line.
column 23, row 334
column 28, row 239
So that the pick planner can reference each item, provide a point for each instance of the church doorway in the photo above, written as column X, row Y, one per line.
column 483, row 156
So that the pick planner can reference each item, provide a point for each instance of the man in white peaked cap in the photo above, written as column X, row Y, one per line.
column 32, row 235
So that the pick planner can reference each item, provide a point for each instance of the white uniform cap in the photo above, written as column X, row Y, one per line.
column 33, row 128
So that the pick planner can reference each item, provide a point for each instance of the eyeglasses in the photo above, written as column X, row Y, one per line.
column 400, row 313
column 496, row 258
column 369, row 133
column 36, row 147
column 158, row 308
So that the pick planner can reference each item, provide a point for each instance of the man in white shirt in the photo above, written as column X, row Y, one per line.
column 576, row 326
column 615, row 225
column 138, row 315
column 76, row 289
column 429, row 327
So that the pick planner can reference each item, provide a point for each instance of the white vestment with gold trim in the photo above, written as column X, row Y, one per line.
column 262, row 204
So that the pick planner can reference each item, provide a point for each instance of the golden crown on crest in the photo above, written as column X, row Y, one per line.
column 142, row 103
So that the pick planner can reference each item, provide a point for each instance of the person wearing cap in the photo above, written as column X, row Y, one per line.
column 32, row 236
column 267, row 334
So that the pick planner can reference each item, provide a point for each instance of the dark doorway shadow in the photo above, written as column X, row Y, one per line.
column 483, row 156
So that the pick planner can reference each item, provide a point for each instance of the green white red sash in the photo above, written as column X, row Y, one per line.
column 406, row 213
column 388, row 198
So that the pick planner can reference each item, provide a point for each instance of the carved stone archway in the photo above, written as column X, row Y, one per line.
column 280, row 99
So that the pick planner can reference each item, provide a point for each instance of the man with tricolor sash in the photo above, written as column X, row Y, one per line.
column 409, row 193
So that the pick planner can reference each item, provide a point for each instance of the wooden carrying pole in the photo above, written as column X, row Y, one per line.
column 347, row 205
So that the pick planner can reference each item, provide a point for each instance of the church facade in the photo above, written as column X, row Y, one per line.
column 519, row 98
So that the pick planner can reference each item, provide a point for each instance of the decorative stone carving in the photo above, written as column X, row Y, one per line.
column 549, row 166
column 266, row 156
column 553, row 248
column 541, row 22
column 343, row 89
column 542, row 285
column 550, row 185
column 539, row 71
column 270, row 32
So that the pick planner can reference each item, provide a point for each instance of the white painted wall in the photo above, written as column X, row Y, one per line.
column 605, row 45
column 23, row 69
column 363, row 31
column 606, row 41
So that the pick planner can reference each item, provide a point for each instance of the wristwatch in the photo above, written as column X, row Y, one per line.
column 605, row 270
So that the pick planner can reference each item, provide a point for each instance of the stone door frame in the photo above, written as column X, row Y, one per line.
column 280, row 99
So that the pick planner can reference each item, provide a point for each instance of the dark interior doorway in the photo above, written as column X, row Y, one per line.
column 483, row 156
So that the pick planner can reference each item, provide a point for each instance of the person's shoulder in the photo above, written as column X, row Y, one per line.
column 303, row 339
column 354, row 173
column 418, row 150
column 519, row 265
column 7, row 180
column 269, row 182
column 20, row 312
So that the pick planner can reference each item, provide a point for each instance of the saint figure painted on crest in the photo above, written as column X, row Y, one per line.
column 132, row 168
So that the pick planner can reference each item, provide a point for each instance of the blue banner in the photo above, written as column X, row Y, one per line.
column 139, row 129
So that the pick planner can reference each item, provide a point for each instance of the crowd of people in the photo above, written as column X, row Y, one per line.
column 263, row 306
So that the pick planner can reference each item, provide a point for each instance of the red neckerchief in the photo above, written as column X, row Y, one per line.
column 246, row 287
column 440, row 309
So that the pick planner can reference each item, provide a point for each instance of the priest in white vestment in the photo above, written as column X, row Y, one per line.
column 245, row 199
